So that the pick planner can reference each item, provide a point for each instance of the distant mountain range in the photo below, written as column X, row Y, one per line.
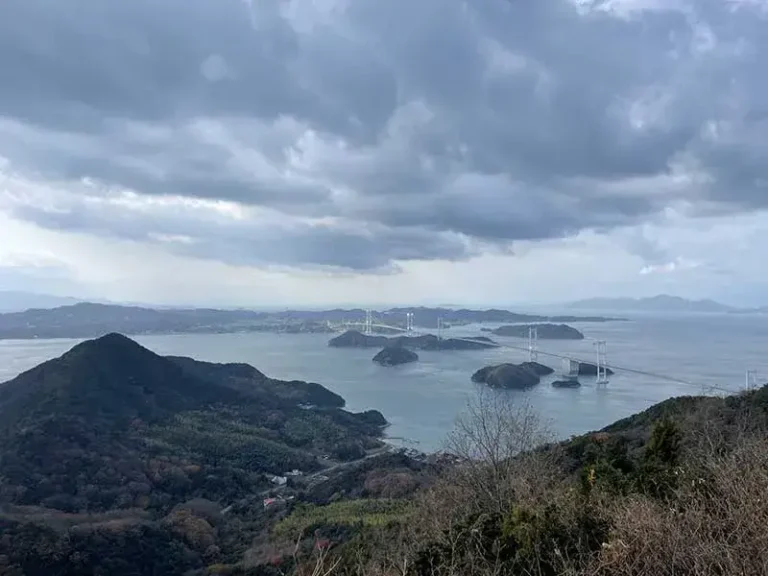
column 88, row 320
column 660, row 303
column 20, row 301
column 15, row 301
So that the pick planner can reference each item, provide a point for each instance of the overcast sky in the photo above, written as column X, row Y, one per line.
column 311, row 152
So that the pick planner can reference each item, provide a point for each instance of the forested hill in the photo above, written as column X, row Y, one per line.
column 112, row 424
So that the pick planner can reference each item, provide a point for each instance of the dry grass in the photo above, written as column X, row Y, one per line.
column 714, row 522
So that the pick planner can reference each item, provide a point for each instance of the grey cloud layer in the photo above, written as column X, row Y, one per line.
column 302, row 245
column 429, row 122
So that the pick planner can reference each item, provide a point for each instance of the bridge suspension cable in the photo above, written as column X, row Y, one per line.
column 534, row 351
column 616, row 367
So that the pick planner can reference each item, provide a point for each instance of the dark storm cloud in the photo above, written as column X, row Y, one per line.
column 496, row 120
column 72, row 64
column 242, row 243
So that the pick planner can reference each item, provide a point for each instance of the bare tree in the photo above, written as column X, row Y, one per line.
column 492, row 438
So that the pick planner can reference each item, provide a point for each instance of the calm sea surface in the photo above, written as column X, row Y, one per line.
column 422, row 400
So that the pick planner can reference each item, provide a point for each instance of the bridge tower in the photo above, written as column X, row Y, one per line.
column 570, row 369
column 439, row 328
column 601, row 348
column 368, row 322
column 533, row 344
column 409, row 321
column 751, row 380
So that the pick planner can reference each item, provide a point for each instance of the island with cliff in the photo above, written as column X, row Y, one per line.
column 356, row 339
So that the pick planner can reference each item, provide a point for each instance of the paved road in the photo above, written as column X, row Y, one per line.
column 335, row 466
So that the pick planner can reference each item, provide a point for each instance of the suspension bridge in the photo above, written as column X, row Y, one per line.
column 570, row 364
column 372, row 324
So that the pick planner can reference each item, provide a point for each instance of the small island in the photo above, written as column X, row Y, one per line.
column 395, row 355
column 567, row 383
column 543, row 331
column 512, row 376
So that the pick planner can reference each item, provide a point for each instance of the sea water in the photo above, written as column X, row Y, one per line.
column 684, row 355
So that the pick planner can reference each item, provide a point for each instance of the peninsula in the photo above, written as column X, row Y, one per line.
column 90, row 320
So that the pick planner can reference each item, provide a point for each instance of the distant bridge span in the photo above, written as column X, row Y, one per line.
column 533, row 350
column 363, row 325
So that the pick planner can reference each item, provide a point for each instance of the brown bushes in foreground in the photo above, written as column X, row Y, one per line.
column 688, row 503
column 715, row 523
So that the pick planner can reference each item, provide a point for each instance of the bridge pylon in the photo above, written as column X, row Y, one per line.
column 601, row 348
column 533, row 344
column 368, row 323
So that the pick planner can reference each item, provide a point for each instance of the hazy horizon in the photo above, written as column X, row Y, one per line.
column 57, row 300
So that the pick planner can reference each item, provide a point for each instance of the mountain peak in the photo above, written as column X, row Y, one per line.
column 114, row 339
column 110, row 347
column 103, row 380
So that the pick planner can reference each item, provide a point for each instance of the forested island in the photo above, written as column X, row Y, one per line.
column 512, row 376
column 544, row 331
column 395, row 355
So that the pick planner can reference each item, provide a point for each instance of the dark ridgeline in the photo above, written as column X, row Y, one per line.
column 89, row 320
